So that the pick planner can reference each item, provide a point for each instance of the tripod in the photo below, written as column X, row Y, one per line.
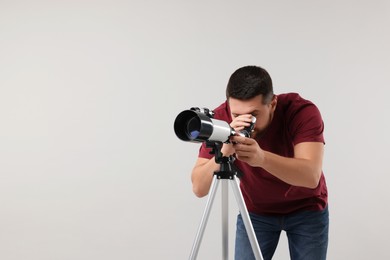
column 226, row 173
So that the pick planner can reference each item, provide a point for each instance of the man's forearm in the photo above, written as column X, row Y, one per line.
column 202, row 176
column 294, row 171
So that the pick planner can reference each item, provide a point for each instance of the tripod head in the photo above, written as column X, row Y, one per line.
column 226, row 170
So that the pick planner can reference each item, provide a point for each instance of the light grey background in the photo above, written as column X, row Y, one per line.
column 90, row 167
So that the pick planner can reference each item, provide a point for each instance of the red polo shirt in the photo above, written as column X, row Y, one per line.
column 295, row 120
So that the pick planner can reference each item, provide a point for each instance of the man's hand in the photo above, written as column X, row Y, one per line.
column 248, row 150
column 240, row 122
column 227, row 150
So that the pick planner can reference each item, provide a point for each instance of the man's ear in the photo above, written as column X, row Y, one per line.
column 274, row 102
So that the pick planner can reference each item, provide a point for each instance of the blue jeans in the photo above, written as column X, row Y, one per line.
column 307, row 234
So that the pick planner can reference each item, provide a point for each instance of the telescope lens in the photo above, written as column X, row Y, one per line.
column 193, row 128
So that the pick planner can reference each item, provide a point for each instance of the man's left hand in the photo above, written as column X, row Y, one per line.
column 248, row 150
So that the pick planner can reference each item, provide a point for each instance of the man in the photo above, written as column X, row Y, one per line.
column 281, row 164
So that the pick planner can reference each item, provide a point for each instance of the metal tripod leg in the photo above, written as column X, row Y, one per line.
column 245, row 217
column 244, row 213
column 225, row 219
column 206, row 214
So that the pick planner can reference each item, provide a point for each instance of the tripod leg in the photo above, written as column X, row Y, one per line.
column 206, row 214
column 245, row 217
column 225, row 220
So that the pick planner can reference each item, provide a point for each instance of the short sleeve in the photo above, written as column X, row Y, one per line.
column 306, row 125
column 204, row 152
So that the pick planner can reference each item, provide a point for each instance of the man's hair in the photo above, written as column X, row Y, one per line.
column 248, row 82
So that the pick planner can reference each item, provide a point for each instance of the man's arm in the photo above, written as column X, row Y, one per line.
column 202, row 176
column 303, row 170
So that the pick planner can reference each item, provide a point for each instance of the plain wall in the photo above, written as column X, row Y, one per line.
column 90, row 167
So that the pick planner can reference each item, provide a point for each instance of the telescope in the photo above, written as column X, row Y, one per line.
column 199, row 125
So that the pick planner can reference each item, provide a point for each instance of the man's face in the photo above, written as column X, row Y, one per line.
column 255, row 107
